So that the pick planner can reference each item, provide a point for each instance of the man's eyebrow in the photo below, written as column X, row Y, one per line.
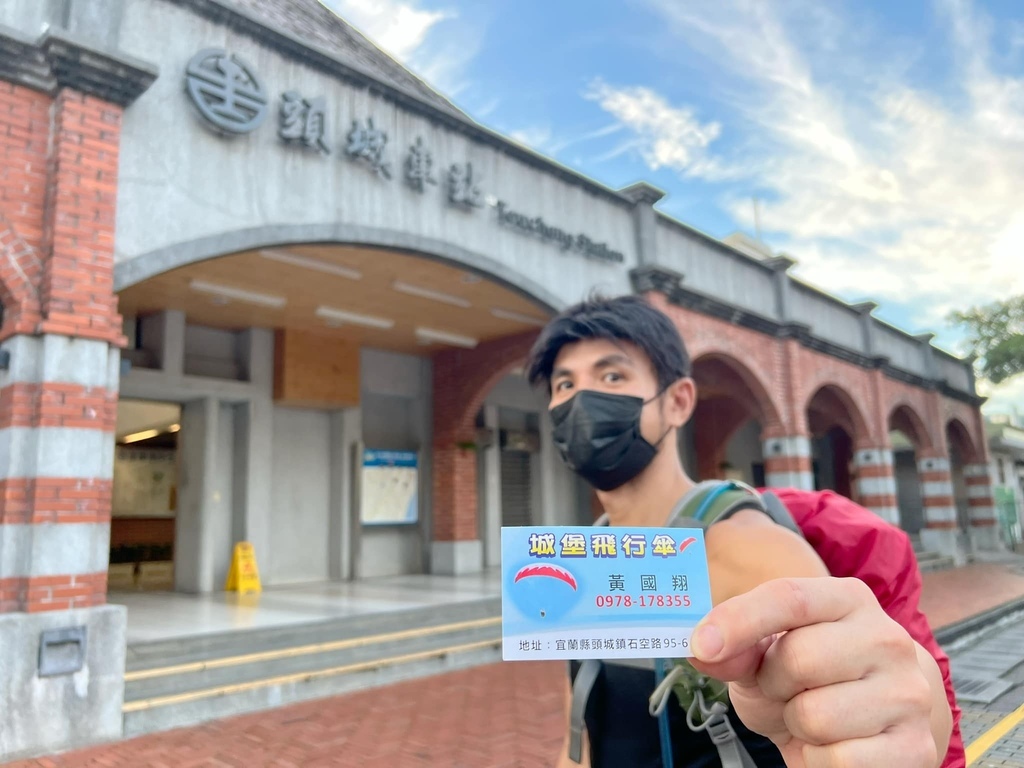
column 615, row 359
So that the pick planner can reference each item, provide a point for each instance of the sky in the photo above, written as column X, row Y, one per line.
column 882, row 142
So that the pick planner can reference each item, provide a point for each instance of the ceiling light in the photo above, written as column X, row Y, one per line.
column 427, row 293
column 340, row 315
column 137, row 436
column 309, row 263
column 146, row 434
column 507, row 314
column 443, row 337
column 228, row 292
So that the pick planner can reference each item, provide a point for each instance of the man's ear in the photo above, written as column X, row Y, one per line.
column 680, row 402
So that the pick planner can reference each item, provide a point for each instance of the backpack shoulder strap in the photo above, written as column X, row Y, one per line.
column 777, row 511
column 714, row 500
column 586, row 676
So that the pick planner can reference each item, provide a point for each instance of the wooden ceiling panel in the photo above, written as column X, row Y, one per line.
column 305, row 289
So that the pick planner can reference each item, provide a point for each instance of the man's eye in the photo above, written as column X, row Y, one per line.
column 613, row 376
column 562, row 385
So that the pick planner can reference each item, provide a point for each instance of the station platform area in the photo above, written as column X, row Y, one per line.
column 156, row 616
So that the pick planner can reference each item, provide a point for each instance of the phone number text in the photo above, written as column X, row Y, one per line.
column 643, row 601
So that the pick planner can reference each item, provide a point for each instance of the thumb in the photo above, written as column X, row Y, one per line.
column 708, row 644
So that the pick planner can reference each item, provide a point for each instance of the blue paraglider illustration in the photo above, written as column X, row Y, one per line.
column 544, row 591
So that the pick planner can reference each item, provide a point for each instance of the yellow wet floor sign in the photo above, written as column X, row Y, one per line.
column 243, row 576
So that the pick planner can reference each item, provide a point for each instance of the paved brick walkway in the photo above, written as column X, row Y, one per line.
column 956, row 594
column 498, row 716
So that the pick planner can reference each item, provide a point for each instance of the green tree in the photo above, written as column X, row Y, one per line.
column 995, row 334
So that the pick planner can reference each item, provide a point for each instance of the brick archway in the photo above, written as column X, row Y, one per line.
column 837, row 427
column 730, row 396
column 961, row 443
column 462, row 379
column 718, row 374
column 908, row 480
column 905, row 419
column 829, row 406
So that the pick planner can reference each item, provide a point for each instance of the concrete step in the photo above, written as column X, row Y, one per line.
column 933, row 561
column 180, row 650
column 205, row 678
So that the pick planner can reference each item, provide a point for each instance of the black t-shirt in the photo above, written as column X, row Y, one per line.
column 622, row 732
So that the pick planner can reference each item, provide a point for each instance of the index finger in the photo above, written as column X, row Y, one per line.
column 739, row 624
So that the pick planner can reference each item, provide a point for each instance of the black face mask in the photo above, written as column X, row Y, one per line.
column 598, row 436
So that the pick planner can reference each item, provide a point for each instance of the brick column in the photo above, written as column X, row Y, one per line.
column 58, row 395
column 984, row 531
column 876, row 482
column 58, row 402
column 787, row 462
column 940, row 532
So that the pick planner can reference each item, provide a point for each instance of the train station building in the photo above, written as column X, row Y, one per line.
column 261, row 284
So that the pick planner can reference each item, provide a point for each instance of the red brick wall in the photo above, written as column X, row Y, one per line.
column 24, row 137
column 52, row 593
column 462, row 380
column 52, row 404
column 77, row 290
column 55, row 500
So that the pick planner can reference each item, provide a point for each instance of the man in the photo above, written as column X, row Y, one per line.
column 818, row 674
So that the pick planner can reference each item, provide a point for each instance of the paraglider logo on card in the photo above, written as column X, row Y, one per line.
column 588, row 592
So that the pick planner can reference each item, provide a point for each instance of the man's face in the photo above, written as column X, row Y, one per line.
column 621, row 368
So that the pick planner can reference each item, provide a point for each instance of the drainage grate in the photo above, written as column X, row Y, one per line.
column 980, row 690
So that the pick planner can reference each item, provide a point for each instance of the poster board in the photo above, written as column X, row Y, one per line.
column 389, row 488
column 144, row 482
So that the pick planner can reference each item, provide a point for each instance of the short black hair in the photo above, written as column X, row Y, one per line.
column 625, row 318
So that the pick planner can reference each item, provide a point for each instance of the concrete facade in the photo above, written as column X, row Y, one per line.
column 113, row 178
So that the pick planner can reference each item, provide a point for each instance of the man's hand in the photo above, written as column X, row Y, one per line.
column 818, row 667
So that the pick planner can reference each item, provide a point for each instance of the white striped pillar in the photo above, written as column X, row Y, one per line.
column 940, row 519
column 58, row 409
column 787, row 462
column 984, row 532
column 876, row 482
column 58, row 399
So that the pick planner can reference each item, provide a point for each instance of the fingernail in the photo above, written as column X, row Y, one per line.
column 707, row 642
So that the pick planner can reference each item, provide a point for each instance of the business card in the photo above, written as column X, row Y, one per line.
column 601, row 592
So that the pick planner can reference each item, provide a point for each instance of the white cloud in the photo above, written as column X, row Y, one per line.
column 396, row 26
column 672, row 136
column 403, row 29
column 877, row 186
